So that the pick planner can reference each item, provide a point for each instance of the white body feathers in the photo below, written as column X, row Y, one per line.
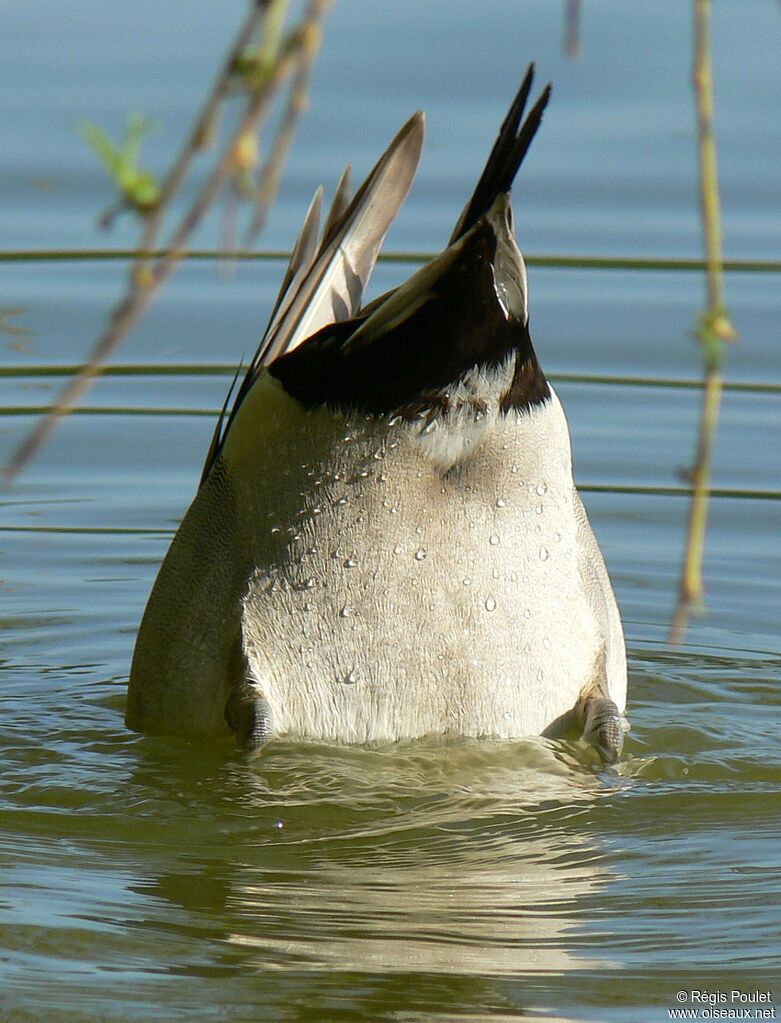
column 359, row 577
column 426, row 580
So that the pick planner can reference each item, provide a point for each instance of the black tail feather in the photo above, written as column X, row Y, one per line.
column 506, row 156
column 520, row 149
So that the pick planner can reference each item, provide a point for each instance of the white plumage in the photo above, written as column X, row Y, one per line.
column 351, row 573
column 409, row 593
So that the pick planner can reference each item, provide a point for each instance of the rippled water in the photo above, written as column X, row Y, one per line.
column 154, row 879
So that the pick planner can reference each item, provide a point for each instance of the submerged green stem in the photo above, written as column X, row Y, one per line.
column 714, row 328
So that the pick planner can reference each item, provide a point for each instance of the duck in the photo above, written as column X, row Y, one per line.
column 387, row 542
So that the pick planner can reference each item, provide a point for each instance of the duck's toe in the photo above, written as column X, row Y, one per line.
column 603, row 729
column 249, row 715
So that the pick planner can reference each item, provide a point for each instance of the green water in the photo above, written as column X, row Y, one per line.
column 155, row 879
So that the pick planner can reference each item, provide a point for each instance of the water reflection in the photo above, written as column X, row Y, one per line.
column 463, row 858
column 432, row 881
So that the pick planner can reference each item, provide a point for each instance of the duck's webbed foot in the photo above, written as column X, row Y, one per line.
column 249, row 715
column 602, row 728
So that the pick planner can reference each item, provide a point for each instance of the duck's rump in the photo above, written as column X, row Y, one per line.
column 392, row 597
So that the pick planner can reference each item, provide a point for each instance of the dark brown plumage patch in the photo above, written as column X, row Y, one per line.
column 426, row 406
column 411, row 368
column 457, row 325
column 529, row 386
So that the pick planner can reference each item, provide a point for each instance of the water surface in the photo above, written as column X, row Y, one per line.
column 148, row 879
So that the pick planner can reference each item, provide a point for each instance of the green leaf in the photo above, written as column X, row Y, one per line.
column 138, row 188
column 103, row 147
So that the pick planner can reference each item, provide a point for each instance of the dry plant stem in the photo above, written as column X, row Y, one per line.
column 709, row 178
column 572, row 29
column 715, row 328
column 276, row 15
column 145, row 279
column 204, row 125
column 297, row 102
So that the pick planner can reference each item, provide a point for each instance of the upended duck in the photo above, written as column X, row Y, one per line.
column 387, row 541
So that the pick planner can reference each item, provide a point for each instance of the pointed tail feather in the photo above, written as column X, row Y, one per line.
column 506, row 156
column 217, row 435
column 517, row 154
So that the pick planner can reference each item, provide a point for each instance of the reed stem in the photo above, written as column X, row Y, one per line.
column 572, row 13
column 296, row 105
column 714, row 328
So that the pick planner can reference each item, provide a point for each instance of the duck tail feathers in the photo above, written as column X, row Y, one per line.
column 506, row 156
column 324, row 282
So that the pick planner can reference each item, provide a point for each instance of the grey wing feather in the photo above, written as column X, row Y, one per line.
column 327, row 285
column 334, row 287
column 342, row 199
column 304, row 252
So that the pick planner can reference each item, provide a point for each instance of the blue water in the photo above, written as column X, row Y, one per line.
column 157, row 880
